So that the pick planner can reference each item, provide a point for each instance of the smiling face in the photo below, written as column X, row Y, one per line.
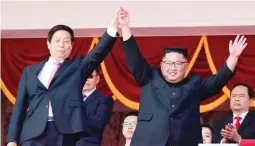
column 173, row 67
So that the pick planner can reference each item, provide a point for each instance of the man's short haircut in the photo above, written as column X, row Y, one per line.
column 250, row 92
column 60, row 27
column 183, row 51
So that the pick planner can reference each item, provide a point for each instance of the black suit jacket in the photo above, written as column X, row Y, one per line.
column 246, row 130
column 64, row 92
column 99, row 111
column 169, row 113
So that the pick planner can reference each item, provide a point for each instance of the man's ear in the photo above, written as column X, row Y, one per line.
column 48, row 44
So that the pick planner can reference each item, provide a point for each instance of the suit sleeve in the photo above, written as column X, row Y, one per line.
column 90, row 62
column 103, row 114
column 137, row 64
column 19, row 111
column 217, row 128
column 214, row 84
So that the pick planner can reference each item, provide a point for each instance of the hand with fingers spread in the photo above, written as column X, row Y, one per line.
column 236, row 48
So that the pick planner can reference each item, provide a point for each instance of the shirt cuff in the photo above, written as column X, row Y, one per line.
column 222, row 141
column 112, row 31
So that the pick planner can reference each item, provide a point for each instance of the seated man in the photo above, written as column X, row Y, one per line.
column 98, row 109
column 240, row 124
column 207, row 133
column 129, row 126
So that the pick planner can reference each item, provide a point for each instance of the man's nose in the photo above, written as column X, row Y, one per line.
column 61, row 44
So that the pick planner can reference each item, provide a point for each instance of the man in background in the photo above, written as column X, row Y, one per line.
column 98, row 111
column 241, row 123
column 128, row 127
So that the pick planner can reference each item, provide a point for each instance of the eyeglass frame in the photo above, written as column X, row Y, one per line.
column 170, row 63
column 129, row 124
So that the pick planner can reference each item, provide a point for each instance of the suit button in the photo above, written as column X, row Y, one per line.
column 46, row 106
column 173, row 93
column 172, row 106
column 171, row 118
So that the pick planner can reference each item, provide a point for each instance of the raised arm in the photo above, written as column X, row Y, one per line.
column 137, row 64
column 213, row 85
column 97, row 55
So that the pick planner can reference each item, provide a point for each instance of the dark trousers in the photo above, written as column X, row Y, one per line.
column 52, row 137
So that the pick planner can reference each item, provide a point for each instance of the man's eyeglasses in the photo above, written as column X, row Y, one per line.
column 127, row 124
column 177, row 64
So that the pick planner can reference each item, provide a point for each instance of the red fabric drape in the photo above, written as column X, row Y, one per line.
column 246, row 64
column 17, row 53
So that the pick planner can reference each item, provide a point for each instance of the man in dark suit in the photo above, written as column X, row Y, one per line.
column 49, row 108
column 241, row 124
column 169, row 103
column 98, row 110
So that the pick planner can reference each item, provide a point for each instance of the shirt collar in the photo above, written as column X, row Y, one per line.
column 242, row 115
column 90, row 92
column 51, row 60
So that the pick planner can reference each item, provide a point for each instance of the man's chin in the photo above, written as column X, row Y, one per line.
column 85, row 89
column 173, row 80
column 62, row 56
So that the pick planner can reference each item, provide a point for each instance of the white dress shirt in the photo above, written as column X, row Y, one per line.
column 45, row 74
column 44, row 77
column 242, row 116
column 234, row 120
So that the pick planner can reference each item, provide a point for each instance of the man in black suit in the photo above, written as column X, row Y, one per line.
column 169, row 103
column 241, row 124
column 49, row 108
column 98, row 109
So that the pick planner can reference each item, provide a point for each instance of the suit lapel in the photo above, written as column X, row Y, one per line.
column 246, row 121
column 91, row 97
column 38, row 69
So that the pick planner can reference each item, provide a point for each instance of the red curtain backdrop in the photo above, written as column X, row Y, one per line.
column 18, row 53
